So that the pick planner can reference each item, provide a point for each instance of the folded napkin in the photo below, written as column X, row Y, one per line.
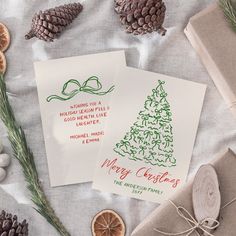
column 167, row 219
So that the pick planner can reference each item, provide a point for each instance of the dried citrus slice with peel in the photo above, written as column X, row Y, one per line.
column 3, row 63
column 108, row 223
column 4, row 37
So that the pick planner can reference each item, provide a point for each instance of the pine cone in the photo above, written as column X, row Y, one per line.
column 47, row 25
column 141, row 16
column 10, row 227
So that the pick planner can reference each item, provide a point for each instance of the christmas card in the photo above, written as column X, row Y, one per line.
column 74, row 96
column 150, row 135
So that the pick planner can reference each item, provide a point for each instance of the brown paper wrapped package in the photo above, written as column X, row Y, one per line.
column 165, row 217
column 214, row 40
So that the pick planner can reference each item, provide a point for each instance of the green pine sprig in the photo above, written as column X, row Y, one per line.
column 229, row 11
column 26, row 159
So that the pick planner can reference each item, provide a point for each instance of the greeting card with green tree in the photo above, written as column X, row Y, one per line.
column 150, row 139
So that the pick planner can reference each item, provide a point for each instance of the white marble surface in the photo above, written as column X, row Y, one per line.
column 97, row 29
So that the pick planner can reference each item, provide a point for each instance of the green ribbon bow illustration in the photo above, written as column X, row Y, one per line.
column 86, row 87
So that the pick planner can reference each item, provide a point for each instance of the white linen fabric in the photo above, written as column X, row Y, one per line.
column 97, row 29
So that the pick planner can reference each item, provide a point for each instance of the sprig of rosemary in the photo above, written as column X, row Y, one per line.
column 229, row 11
column 26, row 159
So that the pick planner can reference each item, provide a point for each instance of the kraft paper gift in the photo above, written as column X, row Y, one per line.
column 166, row 218
column 214, row 40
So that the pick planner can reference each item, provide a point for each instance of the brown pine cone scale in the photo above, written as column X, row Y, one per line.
column 141, row 16
column 9, row 225
column 48, row 24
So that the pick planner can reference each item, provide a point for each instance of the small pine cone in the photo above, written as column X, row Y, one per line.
column 141, row 16
column 9, row 225
column 48, row 24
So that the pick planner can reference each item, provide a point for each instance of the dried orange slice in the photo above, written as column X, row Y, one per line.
column 3, row 63
column 108, row 223
column 4, row 37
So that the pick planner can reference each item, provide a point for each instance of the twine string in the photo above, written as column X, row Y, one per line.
column 86, row 87
column 229, row 203
column 184, row 213
column 194, row 224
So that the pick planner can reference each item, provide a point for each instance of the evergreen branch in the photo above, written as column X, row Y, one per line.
column 25, row 157
column 229, row 11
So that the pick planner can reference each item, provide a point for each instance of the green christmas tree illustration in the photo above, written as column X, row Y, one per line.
column 150, row 139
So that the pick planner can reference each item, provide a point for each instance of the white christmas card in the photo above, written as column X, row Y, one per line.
column 150, row 135
column 74, row 96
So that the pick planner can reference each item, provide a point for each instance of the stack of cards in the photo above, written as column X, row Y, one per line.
column 129, row 131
